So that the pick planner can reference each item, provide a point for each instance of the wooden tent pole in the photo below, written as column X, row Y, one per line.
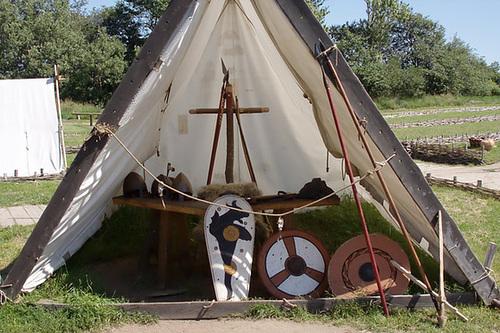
column 355, row 193
column 387, row 192
column 58, row 105
column 229, row 134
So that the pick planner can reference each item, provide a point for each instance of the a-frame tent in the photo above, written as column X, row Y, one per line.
column 30, row 139
column 268, row 46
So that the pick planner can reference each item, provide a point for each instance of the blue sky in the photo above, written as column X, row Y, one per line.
column 476, row 23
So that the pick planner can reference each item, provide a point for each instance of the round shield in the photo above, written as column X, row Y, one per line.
column 351, row 274
column 293, row 263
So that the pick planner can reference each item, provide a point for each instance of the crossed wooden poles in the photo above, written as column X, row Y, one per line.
column 228, row 105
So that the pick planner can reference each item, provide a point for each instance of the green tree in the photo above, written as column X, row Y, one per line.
column 36, row 34
column 121, row 22
column 396, row 52
column 147, row 12
column 319, row 9
column 93, row 75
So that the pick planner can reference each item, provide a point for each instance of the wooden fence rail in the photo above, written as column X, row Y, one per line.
column 443, row 153
column 478, row 188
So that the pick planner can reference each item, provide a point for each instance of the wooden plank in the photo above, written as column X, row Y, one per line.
column 186, row 207
column 241, row 110
column 193, row 207
column 490, row 255
column 212, row 310
column 85, row 114
column 295, row 203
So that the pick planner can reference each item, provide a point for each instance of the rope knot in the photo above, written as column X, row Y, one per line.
column 102, row 130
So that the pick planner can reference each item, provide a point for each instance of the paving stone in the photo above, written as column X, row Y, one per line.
column 21, row 216
column 34, row 211
column 6, row 219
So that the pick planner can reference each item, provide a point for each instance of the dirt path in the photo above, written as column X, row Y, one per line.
column 233, row 325
column 489, row 174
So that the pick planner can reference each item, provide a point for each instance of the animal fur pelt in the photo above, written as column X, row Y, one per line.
column 213, row 191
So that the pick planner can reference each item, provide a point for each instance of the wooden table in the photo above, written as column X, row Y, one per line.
column 173, row 242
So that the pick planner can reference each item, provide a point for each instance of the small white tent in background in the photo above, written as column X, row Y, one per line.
column 29, row 129
column 268, row 47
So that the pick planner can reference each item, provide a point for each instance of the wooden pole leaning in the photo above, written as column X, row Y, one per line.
column 57, row 78
column 355, row 193
column 385, row 188
column 244, row 144
column 424, row 287
column 442, row 295
column 218, row 125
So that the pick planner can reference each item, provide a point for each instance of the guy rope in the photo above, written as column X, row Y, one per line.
column 104, row 129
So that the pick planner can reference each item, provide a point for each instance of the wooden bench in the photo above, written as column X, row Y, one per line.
column 78, row 114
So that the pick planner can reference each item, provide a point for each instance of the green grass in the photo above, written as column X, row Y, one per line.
column 75, row 132
column 88, row 307
column 12, row 240
column 441, row 116
column 477, row 217
column 372, row 318
column 448, row 130
column 68, row 107
column 86, row 311
column 28, row 193
column 429, row 101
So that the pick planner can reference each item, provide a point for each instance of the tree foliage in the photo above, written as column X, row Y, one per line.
column 35, row 35
column 319, row 9
column 396, row 52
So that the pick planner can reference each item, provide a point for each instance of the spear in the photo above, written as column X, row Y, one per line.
column 218, row 125
column 354, row 190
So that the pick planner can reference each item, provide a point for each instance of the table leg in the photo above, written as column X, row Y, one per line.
column 173, row 247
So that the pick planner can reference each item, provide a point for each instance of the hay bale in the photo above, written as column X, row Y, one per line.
column 213, row 191
column 488, row 144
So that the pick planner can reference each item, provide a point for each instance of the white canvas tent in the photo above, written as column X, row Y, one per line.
column 268, row 48
column 29, row 128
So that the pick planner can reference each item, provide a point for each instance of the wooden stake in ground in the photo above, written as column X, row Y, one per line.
column 424, row 287
column 442, row 296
